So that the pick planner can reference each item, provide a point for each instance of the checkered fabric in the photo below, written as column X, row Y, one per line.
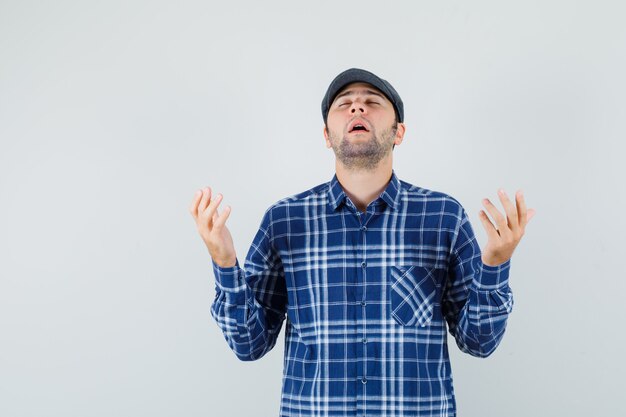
column 369, row 299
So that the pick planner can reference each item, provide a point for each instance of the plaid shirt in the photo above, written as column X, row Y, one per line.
column 368, row 297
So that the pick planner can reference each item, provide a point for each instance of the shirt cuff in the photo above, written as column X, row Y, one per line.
column 227, row 278
column 488, row 277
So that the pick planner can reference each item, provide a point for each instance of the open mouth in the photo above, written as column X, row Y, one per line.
column 358, row 127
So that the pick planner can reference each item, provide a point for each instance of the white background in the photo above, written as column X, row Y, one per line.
column 112, row 114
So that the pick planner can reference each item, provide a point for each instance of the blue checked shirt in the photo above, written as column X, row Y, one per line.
column 368, row 297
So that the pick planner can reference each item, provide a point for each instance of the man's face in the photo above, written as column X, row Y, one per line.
column 361, row 126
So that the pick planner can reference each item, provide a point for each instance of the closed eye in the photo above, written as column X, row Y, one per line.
column 346, row 103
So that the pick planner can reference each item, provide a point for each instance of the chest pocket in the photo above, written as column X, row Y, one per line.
column 413, row 294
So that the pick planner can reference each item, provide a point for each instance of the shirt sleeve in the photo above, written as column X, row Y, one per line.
column 477, row 299
column 251, row 302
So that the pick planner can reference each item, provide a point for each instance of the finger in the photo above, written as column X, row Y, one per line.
column 521, row 209
column 531, row 214
column 492, row 232
column 210, row 212
column 499, row 219
column 216, row 215
column 206, row 199
column 221, row 220
column 510, row 211
column 193, row 209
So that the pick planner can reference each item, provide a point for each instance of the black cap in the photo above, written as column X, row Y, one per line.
column 354, row 75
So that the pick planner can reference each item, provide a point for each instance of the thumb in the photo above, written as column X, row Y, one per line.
column 221, row 220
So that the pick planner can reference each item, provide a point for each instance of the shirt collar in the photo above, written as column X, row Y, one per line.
column 390, row 195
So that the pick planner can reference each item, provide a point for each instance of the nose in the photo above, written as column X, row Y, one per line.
column 357, row 105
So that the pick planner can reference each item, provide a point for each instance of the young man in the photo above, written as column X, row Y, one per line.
column 370, row 271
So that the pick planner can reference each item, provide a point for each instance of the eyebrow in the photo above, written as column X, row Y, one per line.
column 348, row 92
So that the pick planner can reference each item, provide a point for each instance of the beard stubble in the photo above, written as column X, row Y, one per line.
column 359, row 154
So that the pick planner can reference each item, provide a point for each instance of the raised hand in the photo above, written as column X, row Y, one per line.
column 504, row 236
column 212, row 227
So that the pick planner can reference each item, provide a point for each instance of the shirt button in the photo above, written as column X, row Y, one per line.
column 364, row 340
column 363, row 303
column 364, row 380
column 364, row 228
column 363, row 264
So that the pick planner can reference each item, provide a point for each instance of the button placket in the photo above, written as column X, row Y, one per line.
column 361, row 298
column 363, row 241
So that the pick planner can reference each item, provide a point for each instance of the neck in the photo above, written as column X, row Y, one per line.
column 364, row 186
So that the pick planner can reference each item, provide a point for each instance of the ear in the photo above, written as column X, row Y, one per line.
column 325, row 131
column 399, row 134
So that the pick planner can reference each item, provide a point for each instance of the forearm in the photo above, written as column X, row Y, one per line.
column 481, row 322
column 249, row 329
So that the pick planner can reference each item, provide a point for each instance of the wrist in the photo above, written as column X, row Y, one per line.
column 229, row 263
column 492, row 260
